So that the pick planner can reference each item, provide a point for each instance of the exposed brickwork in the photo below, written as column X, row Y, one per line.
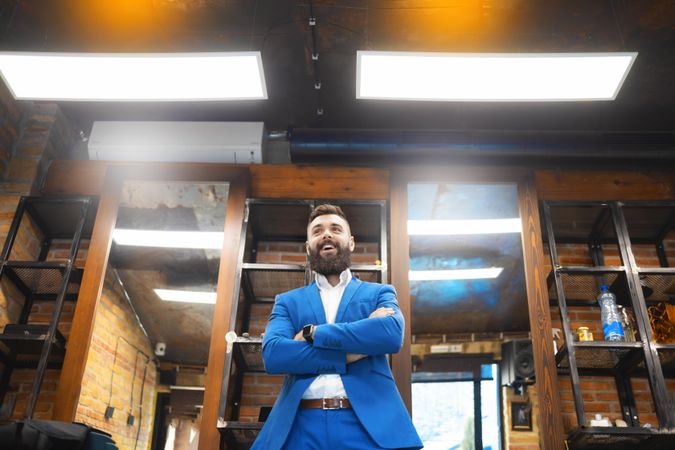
column 115, row 329
column 258, row 390
column 21, row 385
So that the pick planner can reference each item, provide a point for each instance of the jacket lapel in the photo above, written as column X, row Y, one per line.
column 347, row 296
column 314, row 298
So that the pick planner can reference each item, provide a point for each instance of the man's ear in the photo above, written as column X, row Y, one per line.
column 352, row 243
column 307, row 247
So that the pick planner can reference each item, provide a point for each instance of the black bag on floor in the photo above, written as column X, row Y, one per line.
column 43, row 435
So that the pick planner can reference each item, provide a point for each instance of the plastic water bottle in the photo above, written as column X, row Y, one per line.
column 609, row 313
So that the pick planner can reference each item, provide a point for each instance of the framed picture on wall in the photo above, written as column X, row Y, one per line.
column 521, row 416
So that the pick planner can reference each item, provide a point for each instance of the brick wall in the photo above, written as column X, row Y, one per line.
column 116, row 331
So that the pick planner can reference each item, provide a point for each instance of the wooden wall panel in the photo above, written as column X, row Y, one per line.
column 227, row 293
column 604, row 185
column 290, row 181
column 400, row 255
column 74, row 178
column 267, row 181
column 70, row 384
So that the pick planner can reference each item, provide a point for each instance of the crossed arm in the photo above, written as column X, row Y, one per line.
column 335, row 345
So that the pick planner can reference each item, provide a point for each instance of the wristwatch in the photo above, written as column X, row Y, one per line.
column 307, row 333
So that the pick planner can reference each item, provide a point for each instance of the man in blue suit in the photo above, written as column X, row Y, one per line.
column 331, row 339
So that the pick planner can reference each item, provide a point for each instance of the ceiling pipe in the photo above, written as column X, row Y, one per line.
column 356, row 147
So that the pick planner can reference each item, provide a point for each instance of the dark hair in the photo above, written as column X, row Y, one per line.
column 324, row 209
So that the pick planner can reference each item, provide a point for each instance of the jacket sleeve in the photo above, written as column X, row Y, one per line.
column 376, row 336
column 283, row 355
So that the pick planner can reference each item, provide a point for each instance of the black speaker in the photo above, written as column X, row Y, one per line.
column 517, row 362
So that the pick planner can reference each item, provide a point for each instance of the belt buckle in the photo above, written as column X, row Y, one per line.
column 325, row 403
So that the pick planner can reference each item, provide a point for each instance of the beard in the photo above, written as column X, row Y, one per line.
column 332, row 265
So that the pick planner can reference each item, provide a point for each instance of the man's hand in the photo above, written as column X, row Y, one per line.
column 353, row 357
column 382, row 312
column 298, row 337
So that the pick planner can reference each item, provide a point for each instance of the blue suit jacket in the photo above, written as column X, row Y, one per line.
column 368, row 382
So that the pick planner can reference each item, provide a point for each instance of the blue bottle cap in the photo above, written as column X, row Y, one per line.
column 604, row 287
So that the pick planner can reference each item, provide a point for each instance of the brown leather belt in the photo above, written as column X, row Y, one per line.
column 326, row 403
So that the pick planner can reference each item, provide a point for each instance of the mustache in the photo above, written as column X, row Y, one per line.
column 329, row 241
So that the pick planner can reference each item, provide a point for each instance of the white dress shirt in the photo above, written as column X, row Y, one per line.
column 329, row 386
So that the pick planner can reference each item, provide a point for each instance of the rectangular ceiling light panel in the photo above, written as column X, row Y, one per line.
column 134, row 77
column 454, row 274
column 169, row 239
column 172, row 295
column 491, row 76
column 463, row 227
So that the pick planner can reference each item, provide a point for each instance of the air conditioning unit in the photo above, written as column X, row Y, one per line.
column 215, row 142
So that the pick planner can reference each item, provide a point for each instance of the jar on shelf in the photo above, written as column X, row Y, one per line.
column 584, row 334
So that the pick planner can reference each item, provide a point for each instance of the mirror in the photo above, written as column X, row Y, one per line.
column 150, row 345
column 467, row 294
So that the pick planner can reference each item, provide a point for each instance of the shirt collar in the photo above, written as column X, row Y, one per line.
column 323, row 284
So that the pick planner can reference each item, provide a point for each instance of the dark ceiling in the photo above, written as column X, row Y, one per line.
column 280, row 30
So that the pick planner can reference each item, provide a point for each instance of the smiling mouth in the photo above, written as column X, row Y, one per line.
column 328, row 248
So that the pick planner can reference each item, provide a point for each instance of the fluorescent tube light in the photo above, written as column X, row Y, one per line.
column 171, row 295
column 134, row 77
column 456, row 274
column 459, row 227
column 169, row 239
column 490, row 76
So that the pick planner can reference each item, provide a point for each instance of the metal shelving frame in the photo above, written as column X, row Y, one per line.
column 248, row 265
column 628, row 354
column 50, row 339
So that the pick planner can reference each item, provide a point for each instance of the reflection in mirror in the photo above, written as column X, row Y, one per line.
column 151, row 338
column 467, row 293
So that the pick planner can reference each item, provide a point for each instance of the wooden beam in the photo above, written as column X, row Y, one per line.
column 72, row 373
column 227, row 295
column 267, row 181
column 401, row 361
column 551, row 436
column 604, row 185
column 66, row 177
column 316, row 182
